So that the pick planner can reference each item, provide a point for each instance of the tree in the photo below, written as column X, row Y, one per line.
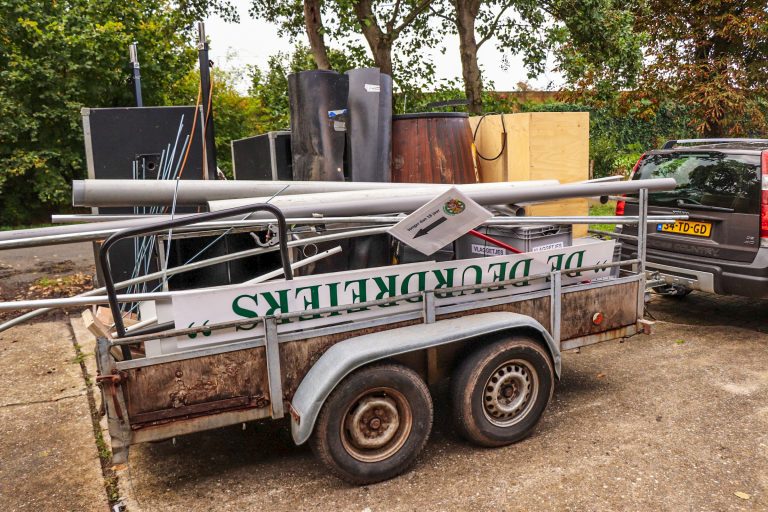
column 582, row 33
column 396, row 33
column 711, row 56
column 57, row 57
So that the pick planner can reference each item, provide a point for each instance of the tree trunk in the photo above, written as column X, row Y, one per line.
column 313, row 22
column 379, row 42
column 466, row 13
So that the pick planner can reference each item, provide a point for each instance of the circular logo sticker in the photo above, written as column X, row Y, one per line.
column 454, row 207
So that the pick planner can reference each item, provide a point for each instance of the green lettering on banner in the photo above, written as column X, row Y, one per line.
column 245, row 312
column 497, row 276
column 280, row 304
column 444, row 281
column 478, row 277
column 580, row 258
column 526, row 271
column 312, row 303
column 333, row 294
column 360, row 296
column 388, row 289
column 422, row 285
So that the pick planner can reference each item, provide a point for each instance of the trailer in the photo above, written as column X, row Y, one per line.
column 348, row 358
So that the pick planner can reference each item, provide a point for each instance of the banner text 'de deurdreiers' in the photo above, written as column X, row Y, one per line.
column 307, row 293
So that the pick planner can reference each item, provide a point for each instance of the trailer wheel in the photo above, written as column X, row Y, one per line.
column 501, row 390
column 374, row 424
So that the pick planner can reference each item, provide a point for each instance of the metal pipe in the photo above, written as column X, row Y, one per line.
column 192, row 266
column 80, row 301
column 372, row 202
column 105, row 229
column 294, row 266
column 198, row 193
column 392, row 219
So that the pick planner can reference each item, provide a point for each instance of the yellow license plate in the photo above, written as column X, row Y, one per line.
column 686, row 227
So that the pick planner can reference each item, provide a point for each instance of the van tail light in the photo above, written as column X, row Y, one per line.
column 764, row 203
column 621, row 205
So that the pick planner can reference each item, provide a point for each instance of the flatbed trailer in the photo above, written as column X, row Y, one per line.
column 354, row 381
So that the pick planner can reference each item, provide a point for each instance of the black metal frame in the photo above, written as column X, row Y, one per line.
column 156, row 227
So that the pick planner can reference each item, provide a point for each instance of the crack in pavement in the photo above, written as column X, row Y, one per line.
column 49, row 401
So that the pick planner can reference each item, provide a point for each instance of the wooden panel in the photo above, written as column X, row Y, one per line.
column 559, row 146
column 617, row 303
column 432, row 150
column 518, row 152
column 194, row 381
column 577, row 206
column 488, row 142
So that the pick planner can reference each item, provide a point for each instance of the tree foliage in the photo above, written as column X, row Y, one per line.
column 393, row 36
column 59, row 56
column 711, row 56
column 586, row 37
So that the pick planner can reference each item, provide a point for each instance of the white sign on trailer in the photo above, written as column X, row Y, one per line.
column 241, row 302
column 440, row 221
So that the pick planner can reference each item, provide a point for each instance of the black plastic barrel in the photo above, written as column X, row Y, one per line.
column 318, row 124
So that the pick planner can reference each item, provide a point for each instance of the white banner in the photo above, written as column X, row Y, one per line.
column 240, row 302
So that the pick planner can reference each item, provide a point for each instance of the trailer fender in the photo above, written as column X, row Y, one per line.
column 346, row 356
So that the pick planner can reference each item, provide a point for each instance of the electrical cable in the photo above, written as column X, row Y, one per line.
column 194, row 124
column 503, row 141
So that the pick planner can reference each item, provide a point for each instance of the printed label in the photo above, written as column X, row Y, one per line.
column 487, row 250
column 546, row 247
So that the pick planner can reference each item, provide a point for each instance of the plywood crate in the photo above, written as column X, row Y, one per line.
column 540, row 146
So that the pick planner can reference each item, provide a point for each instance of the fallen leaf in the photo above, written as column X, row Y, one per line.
column 742, row 495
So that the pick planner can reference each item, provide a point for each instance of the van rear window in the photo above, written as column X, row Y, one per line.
column 709, row 179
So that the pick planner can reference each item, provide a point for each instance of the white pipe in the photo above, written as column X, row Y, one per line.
column 294, row 266
column 373, row 202
column 196, row 193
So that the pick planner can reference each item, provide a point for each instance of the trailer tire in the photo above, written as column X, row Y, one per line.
column 374, row 424
column 500, row 391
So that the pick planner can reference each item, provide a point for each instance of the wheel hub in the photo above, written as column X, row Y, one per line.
column 507, row 394
column 374, row 423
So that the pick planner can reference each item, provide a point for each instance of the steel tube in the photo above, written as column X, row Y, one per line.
column 613, row 219
column 372, row 202
column 105, row 229
column 44, row 308
column 198, row 193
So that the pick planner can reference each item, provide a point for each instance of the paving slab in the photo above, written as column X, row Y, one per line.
column 47, row 448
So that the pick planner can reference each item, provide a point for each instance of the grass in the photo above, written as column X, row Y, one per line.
column 28, row 226
column 598, row 210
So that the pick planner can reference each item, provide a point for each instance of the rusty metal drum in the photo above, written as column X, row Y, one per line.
column 432, row 147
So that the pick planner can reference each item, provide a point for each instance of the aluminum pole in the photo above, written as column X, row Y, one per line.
column 198, row 193
column 372, row 202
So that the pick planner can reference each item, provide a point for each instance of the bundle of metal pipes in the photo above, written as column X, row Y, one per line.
column 352, row 202
column 339, row 203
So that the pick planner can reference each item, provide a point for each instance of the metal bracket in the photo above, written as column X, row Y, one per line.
column 274, row 375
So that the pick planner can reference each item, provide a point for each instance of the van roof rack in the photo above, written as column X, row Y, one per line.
column 672, row 143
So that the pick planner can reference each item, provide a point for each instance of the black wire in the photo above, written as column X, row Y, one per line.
column 503, row 142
